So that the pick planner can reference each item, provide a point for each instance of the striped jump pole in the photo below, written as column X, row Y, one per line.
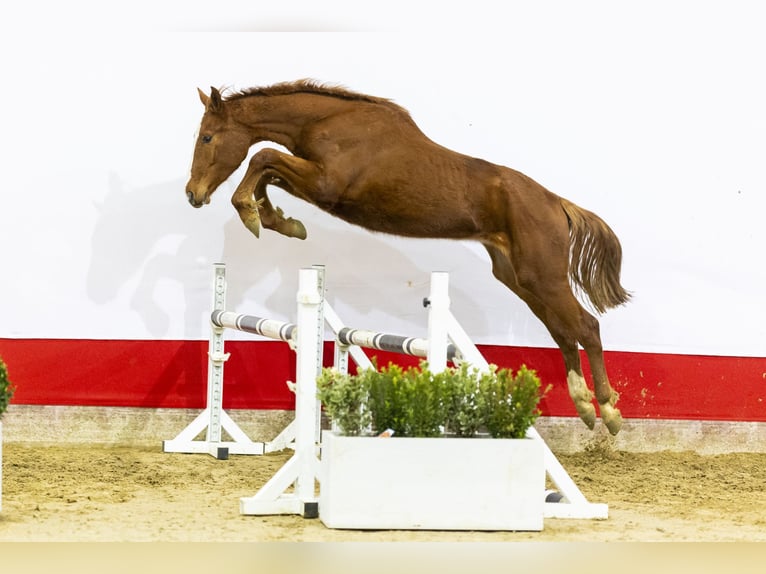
column 250, row 324
column 413, row 346
column 437, row 348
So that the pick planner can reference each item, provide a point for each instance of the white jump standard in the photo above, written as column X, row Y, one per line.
column 213, row 419
column 302, row 469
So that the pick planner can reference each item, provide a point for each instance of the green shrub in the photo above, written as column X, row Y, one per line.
column 463, row 416
column 509, row 402
column 415, row 402
column 344, row 400
column 409, row 402
column 6, row 388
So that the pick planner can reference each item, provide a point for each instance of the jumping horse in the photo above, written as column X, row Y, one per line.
column 363, row 159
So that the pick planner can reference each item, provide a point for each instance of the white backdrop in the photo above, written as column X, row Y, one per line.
column 650, row 115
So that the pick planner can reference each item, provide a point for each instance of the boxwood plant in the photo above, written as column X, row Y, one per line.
column 414, row 402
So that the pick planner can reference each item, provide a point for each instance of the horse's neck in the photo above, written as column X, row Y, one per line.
column 281, row 119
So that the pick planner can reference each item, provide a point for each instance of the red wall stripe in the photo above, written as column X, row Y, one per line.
column 173, row 374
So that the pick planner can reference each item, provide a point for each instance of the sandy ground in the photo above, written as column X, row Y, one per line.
column 82, row 493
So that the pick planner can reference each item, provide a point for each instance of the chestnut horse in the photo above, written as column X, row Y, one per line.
column 364, row 160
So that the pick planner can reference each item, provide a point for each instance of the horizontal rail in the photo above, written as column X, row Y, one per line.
column 273, row 329
column 414, row 346
column 270, row 328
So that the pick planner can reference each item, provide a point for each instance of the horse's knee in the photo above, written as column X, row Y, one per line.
column 263, row 158
column 245, row 204
column 242, row 202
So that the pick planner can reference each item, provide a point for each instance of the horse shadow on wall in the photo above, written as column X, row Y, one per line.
column 149, row 236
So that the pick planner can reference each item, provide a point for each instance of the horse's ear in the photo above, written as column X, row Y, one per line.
column 213, row 102
column 203, row 97
column 216, row 102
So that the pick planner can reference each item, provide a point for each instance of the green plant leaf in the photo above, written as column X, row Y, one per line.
column 6, row 388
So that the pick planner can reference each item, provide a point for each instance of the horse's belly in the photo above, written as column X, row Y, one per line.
column 407, row 220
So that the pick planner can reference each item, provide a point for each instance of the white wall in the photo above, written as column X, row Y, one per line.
column 652, row 116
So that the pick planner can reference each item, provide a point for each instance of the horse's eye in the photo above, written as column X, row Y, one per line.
column 206, row 139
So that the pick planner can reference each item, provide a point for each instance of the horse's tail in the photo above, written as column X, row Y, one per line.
column 595, row 258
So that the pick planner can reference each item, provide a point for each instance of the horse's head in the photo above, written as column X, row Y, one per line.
column 221, row 147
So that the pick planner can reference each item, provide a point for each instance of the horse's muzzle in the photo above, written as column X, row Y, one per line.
column 194, row 201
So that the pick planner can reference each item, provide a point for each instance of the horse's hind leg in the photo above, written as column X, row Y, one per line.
column 545, row 288
column 578, row 389
column 590, row 339
column 569, row 315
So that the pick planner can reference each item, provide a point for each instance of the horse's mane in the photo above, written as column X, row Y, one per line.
column 308, row 86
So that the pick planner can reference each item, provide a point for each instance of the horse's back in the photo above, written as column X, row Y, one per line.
column 385, row 174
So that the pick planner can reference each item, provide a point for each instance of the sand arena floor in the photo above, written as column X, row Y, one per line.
column 83, row 493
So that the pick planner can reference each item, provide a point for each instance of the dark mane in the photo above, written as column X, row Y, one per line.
column 307, row 86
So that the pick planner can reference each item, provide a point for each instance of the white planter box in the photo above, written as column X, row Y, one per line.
column 431, row 483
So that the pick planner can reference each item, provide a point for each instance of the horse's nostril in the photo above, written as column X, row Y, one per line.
column 190, row 196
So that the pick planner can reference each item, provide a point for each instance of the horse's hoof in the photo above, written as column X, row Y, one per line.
column 611, row 417
column 295, row 228
column 582, row 398
column 254, row 225
column 587, row 413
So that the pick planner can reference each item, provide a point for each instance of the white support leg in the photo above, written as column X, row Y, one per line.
column 216, row 360
column 303, row 468
column 320, row 326
column 285, row 439
column 574, row 505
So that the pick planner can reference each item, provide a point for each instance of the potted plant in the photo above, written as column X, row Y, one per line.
column 6, row 392
column 457, row 458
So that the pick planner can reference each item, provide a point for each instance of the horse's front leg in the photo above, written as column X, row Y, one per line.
column 245, row 202
column 273, row 217
column 271, row 167
column 255, row 209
